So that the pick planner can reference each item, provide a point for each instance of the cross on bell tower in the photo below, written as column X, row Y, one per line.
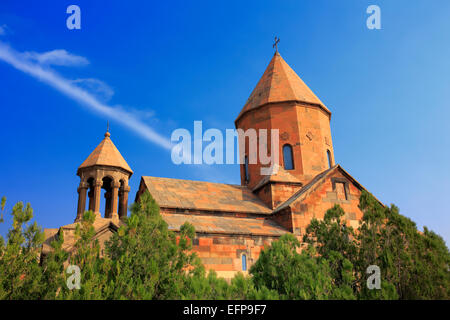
column 105, row 168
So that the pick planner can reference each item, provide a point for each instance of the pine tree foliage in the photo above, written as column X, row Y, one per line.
column 146, row 260
column 20, row 273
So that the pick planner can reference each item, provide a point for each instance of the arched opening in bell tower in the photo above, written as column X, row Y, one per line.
column 107, row 206
column 122, row 206
column 91, row 188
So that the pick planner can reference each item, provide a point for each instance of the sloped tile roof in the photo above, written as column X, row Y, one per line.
column 200, row 195
column 280, row 83
column 106, row 154
column 225, row 225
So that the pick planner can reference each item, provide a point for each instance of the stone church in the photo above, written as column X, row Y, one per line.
column 234, row 222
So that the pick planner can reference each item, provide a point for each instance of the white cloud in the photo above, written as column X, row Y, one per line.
column 3, row 29
column 21, row 62
column 58, row 57
column 92, row 93
column 97, row 87
column 142, row 114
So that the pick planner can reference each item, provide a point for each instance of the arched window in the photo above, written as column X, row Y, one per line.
column 108, row 204
column 244, row 262
column 247, row 174
column 330, row 163
column 288, row 160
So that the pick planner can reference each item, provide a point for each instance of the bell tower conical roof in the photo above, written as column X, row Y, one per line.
column 106, row 154
column 280, row 83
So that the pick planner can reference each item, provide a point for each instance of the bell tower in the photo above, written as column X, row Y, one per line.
column 281, row 100
column 105, row 168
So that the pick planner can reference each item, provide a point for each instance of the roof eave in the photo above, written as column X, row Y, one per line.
column 319, row 105
column 80, row 168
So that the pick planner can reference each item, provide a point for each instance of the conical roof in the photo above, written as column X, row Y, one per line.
column 106, row 154
column 280, row 83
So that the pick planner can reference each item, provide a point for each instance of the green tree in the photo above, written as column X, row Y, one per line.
column 145, row 260
column 336, row 246
column 53, row 270
column 415, row 263
column 431, row 275
column 86, row 255
column 293, row 275
column 211, row 287
column 20, row 273
column 148, row 261
column 349, row 252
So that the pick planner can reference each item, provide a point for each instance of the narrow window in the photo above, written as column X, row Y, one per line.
column 288, row 160
column 329, row 159
column 244, row 262
column 341, row 191
column 247, row 174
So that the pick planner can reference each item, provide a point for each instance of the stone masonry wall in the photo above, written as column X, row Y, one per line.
column 223, row 253
column 336, row 189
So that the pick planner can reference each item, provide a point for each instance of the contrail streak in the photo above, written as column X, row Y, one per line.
column 65, row 86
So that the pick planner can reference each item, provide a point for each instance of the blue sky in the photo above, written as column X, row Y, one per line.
column 168, row 63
